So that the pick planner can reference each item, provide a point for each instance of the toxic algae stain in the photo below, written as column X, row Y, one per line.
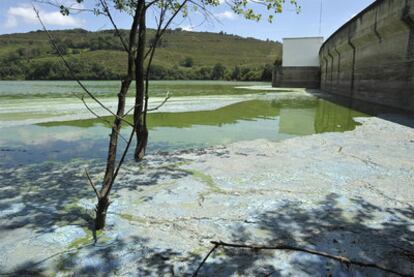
column 92, row 237
column 199, row 251
column 143, row 220
column 22, row 90
column 271, row 117
column 296, row 116
column 64, row 264
column 182, row 163
column 74, row 213
column 207, row 180
column 134, row 218
column 212, row 187
column 150, row 191
column 85, row 217
column 89, row 238
column 130, row 217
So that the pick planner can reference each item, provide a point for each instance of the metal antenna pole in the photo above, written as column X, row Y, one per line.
column 320, row 18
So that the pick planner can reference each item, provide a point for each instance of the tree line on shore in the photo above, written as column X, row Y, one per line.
column 19, row 65
column 33, row 58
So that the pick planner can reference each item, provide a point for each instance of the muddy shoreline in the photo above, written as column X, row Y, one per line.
column 348, row 194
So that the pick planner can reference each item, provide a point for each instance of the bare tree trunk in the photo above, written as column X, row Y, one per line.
column 103, row 195
column 136, row 58
column 101, row 209
column 103, row 201
column 141, row 109
column 141, row 128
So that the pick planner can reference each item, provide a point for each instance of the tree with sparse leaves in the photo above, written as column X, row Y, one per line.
column 218, row 72
column 139, row 62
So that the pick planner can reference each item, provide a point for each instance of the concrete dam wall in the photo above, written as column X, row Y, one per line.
column 371, row 57
column 300, row 66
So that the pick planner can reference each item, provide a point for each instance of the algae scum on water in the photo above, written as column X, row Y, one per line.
column 42, row 121
column 224, row 163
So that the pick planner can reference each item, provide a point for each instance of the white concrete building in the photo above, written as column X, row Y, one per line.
column 300, row 66
column 301, row 51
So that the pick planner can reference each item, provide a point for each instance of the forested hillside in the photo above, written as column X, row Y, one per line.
column 99, row 56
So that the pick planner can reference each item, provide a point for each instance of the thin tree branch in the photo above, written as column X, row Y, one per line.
column 151, row 3
column 167, row 96
column 153, row 48
column 52, row 40
column 207, row 13
column 111, row 173
column 72, row 7
column 130, row 110
column 167, row 24
column 118, row 33
column 99, row 117
column 121, row 161
column 205, row 259
column 92, row 184
column 340, row 259
column 151, row 52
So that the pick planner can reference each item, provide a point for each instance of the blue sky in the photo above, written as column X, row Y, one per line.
column 17, row 16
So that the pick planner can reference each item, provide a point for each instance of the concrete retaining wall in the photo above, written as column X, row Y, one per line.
column 296, row 77
column 371, row 57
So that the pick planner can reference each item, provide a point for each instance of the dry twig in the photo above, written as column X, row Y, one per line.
column 118, row 33
column 100, row 117
column 167, row 96
column 92, row 184
column 348, row 262
column 67, row 65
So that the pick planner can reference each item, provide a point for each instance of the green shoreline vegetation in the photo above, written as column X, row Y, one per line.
column 181, row 55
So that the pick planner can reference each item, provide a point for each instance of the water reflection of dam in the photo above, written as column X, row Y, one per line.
column 254, row 119
column 316, row 117
column 294, row 116
column 294, row 121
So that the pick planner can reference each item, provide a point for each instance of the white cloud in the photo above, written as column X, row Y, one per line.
column 187, row 28
column 24, row 14
column 226, row 15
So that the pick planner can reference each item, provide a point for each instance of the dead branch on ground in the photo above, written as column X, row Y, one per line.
column 344, row 260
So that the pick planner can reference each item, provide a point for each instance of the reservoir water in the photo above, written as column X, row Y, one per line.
column 43, row 121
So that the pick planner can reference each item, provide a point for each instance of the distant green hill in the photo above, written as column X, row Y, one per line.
column 98, row 55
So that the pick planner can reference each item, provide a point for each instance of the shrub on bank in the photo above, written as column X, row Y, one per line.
column 48, row 69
